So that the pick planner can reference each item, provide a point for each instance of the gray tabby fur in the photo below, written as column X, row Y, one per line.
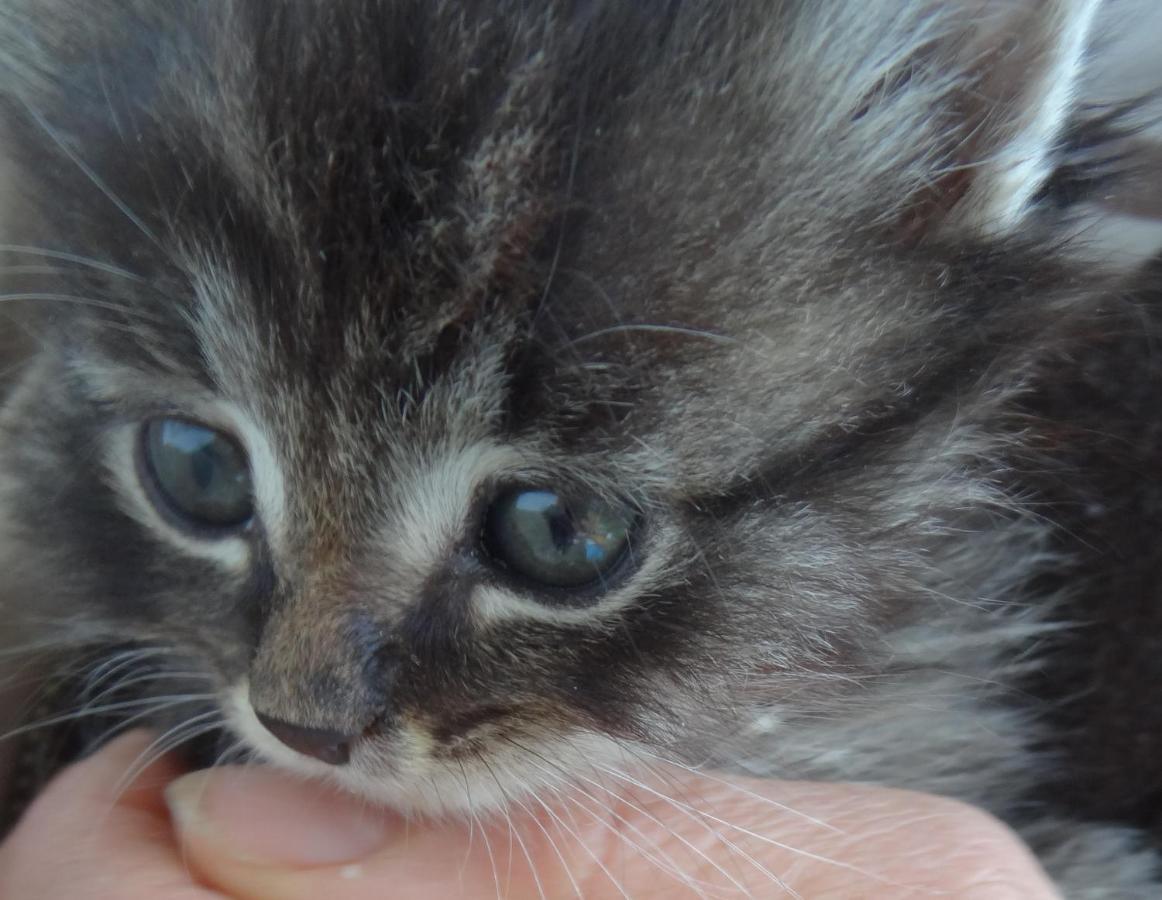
column 799, row 279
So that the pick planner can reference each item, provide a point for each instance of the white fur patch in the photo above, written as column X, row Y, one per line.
column 430, row 516
column 266, row 476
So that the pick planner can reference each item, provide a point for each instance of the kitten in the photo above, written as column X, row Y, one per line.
column 451, row 399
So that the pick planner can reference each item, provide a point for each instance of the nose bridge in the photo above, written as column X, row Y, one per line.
column 319, row 663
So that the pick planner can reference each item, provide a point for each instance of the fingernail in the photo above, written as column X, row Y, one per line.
column 261, row 817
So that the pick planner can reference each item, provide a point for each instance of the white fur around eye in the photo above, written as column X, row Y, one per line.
column 266, row 477
column 429, row 518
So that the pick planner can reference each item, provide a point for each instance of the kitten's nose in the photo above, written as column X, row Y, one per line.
column 332, row 747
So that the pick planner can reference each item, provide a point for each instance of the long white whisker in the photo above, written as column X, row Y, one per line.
column 664, row 862
column 570, row 183
column 557, row 849
column 153, row 702
column 660, row 858
column 93, row 177
column 681, row 838
column 38, row 297
column 472, row 823
column 123, row 724
column 62, row 256
column 514, row 832
column 649, row 327
column 491, row 860
column 32, row 648
column 736, row 850
column 653, row 853
column 749, row 794
column 149, row 678
column 762, row 838
column 132, row 654
column 107, row 668
column 165, row 742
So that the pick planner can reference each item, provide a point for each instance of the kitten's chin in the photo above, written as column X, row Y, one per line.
column 401, row 772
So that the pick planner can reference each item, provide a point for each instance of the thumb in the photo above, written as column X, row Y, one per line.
column 256, row 834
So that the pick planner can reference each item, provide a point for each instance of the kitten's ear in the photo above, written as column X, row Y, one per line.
column 1025, row 60
column 972, row 104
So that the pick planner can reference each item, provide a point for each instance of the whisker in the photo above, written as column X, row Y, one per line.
column 473, row 820
column 749, row 794
column 491, row 859
column 154, row 702
column 62, row 256
column 29, row 270
column 553, row 844
column 666, row 864
column 49, row 644
column 649, row 327
column 789, row 848
column 123, row 725
column 148, row 678
column 166, row 742
column 93, row 177
column 106, row 667
column 237, row 754
column 751, row 859
column 514, row 832
column 716, row 866
column 570, row 183
column 738, row 851
column 35, row 297
column 557, row 850
column 654, row 854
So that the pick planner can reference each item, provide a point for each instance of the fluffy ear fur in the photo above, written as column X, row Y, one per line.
column 942, row 120
column 1033, row 56
column 978, row 98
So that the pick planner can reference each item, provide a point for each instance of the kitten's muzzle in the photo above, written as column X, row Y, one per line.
column 325, row 745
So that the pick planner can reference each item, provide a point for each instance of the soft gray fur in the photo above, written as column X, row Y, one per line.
column 808, row 283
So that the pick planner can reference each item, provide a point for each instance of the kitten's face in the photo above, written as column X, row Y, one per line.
column 492, row 396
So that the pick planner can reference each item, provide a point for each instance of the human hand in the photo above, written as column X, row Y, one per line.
column 256, row 834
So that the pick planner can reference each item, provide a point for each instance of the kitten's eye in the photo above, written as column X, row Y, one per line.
column 556, row 541
column 200, row 473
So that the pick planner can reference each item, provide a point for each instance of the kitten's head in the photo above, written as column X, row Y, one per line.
column 474, row 391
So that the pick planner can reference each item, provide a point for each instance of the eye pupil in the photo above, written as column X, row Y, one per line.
column 556, row 541
column 201, row 474
column 562, row 530
column 203, row 470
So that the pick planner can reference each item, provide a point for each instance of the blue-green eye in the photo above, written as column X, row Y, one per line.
column 558, row 541
column 200, row 473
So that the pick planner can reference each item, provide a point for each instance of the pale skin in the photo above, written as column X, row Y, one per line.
column 258, row 835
